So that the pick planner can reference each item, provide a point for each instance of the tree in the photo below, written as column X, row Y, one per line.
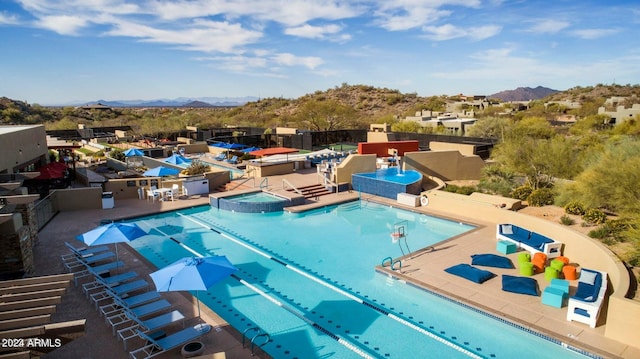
column 327, row 115
column 489, row 127
column 531, row 127
column 611, row 180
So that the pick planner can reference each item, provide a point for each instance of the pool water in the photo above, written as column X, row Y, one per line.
column 307, row 282
column 394, row 174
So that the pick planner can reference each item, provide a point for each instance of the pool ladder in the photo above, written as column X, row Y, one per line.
column 259, row 334
column 392, row 264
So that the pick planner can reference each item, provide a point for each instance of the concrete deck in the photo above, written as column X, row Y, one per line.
column 425, row 269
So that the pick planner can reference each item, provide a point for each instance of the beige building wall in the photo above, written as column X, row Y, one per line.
column 74, row 199
column 446, row 165
column 22, row 145
column 622, row 314
column 464, row 149
column 354, row 164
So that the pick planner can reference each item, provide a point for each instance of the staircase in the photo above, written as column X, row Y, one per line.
column 312, row 191
column 231, row 185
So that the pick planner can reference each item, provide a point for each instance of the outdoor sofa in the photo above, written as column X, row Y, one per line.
column 529, row 240
column 584, row 306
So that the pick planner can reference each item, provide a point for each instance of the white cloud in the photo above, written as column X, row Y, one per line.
column 8, row 19
column 200, row 35
column 448, row 32
column 409, row 14
column 288, row 59
column 330, row 32
column 548, row 26
column 62, row 24
column 592, row 34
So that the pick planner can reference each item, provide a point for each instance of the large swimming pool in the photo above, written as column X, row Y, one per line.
column 307, row 283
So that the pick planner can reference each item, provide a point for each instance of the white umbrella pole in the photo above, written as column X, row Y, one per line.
column 117, row 260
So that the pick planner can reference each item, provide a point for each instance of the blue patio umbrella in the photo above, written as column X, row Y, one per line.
column 115, row 233
column 133, row 152
column 250, row 149
column 177, row 159
column 161, row 171
column 192, row 273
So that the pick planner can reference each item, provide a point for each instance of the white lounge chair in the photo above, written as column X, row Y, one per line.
column 584, row 306
column 149, row 326
column 175, row 340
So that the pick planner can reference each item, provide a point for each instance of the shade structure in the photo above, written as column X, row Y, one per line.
column 161, row 171
column 250, row 149
column 115, row 233
column 177, row 159
column 273, row 151
column 133, row 152
column 192, row 273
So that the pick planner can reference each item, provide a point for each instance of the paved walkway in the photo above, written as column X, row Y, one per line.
column 424, row 269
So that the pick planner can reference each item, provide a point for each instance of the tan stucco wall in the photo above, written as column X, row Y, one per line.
column 74, row 199
column 269, row 169
column 22, row 144
column 446, row 165
column 621, row 313
column 464, row 149
column 354, row 164
column 199, row 147
column 380, row 137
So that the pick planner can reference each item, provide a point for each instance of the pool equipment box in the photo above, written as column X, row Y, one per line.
column 200, row 186
column 408, row 199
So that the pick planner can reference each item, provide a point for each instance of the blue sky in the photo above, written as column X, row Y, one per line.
column 58, row 52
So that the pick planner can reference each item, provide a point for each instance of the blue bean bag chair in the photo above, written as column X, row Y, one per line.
column 520, row 285
column 491, row 260
column 470, row 272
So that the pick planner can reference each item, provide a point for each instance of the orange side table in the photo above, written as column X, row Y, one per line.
column 569, row 272
column 564, row 260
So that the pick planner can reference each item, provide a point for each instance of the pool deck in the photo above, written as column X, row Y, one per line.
column 424, row 269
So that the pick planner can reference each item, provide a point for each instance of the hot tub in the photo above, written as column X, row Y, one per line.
column 388, row 182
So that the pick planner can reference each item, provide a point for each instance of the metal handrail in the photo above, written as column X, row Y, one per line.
column 264, row 183
column 243, row 182
column 244, row 333
column 263, row 334
column 284, row 181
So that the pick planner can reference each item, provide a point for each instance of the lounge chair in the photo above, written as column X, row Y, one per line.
column 175, row 340
column 220, row 157
column 149, row 326
column 122, row 290
column 102, row 282
column 81, row 262
column 584, row 306
column 140, row 312
column 97, row 270
column 233, row 160
column 118, row 304
column 81, row 252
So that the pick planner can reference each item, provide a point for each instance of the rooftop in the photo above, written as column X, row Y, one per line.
column 424, row 269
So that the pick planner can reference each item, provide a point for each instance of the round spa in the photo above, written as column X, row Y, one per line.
column 255, row 202
column 388, row 182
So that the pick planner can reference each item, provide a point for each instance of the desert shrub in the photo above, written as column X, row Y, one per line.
column 522, row 193
column 598, row 233
column 594, row 216
column 196, row 168
column 574, row 207
column 566, row 220
column 541, row 197
column 465, row 190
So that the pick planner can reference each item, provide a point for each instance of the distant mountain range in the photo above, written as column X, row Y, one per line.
column 199, row 102
column 524, row 94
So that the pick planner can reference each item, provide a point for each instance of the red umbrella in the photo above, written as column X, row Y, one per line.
column 53, row 170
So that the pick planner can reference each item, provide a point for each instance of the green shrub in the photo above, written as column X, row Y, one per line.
column 566, row 220
column 541, row 197
column 522, row 193
column 594, row 216
column 574, row 207
column 465, row 190
column 599, row 233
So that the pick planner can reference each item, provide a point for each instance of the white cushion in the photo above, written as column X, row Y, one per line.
column 587, row 277
column 506, row 229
